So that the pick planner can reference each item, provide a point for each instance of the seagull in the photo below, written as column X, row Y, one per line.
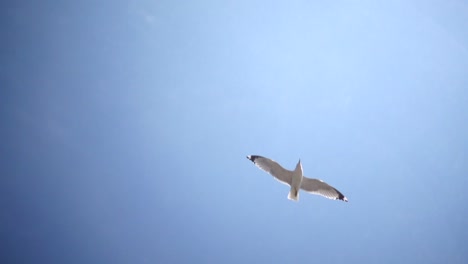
column 296, row 180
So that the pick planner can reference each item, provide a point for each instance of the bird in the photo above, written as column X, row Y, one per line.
column 296, row 180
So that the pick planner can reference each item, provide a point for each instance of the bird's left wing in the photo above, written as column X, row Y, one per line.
column 281, row 174
column 316, row 186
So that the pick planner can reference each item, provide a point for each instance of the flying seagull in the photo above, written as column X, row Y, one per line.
column 296, row 180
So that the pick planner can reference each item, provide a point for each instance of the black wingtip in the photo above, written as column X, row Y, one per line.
column 342, row 197
column 252, row 157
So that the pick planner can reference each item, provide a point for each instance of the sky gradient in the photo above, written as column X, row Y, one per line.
column 126, row 125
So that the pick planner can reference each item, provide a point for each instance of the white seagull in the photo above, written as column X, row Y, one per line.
column 296, row 180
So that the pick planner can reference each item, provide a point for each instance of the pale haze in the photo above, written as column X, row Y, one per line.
column 125, row 127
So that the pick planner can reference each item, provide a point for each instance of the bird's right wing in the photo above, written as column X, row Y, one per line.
column 272, row 167
column 316, row 186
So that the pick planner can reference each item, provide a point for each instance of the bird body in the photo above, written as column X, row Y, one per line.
column 296, row 180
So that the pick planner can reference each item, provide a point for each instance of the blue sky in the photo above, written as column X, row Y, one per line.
column 126, row 126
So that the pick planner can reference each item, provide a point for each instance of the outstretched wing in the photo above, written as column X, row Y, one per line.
column 319, row 187
column 281, row 174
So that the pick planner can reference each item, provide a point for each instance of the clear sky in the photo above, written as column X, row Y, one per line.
column 125, row 127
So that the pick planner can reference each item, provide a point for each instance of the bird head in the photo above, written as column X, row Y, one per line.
column 299, row 165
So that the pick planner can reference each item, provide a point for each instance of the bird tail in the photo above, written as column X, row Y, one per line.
column 293, row 194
